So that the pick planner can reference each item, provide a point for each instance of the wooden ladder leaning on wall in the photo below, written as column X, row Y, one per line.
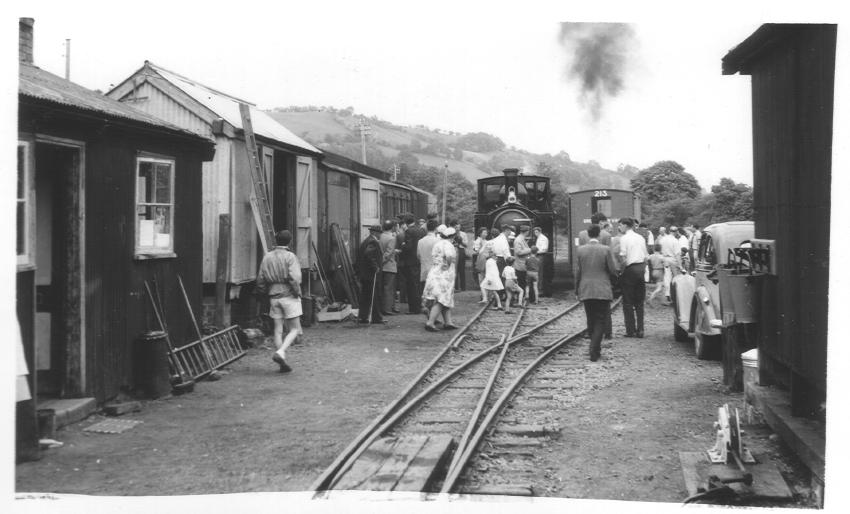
column 260, row 205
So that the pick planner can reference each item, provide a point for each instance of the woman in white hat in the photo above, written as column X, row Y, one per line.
column 438, row 294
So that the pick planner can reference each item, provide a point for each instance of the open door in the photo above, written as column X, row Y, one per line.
column 59, row 352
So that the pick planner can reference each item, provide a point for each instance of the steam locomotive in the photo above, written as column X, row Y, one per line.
column 516, row 199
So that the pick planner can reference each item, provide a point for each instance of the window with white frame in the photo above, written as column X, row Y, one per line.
column 154, row 206
column 25, row 208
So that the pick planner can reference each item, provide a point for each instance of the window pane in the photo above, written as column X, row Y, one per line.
column 22, row 209
column 144, row 182
column 370, row 203
column 155, row 226
column 21, row 170
column 163, row 183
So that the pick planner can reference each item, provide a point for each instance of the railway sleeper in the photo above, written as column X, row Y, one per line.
column 516, row 442
column 511, row 453
column 528, row 430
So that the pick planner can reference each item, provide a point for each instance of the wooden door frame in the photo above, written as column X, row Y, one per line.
column 74, row 376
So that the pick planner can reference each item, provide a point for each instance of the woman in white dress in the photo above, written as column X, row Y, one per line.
column 438, row 294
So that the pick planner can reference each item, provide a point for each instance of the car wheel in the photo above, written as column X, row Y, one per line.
column 707, row 347
column 679, row 333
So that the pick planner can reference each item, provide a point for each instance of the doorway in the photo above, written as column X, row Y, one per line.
column 58, row 337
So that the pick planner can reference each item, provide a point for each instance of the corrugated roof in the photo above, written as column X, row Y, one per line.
column 227, row 107
column 43, row 85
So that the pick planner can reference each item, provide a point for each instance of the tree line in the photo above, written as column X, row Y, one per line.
column 672, row 196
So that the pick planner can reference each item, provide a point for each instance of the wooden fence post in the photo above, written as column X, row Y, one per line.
column 222, row 267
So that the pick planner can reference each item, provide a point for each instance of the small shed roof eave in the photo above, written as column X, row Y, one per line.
column 278, row 145
column 769, row 35
column 141, row 126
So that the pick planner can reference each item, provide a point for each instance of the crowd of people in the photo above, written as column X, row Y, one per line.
column 422, row 263
column 625, row 259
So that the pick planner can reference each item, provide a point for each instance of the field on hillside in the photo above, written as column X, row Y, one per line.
column 469, row 171
column 314, row 124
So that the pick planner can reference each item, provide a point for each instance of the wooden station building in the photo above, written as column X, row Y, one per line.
column 107, row 198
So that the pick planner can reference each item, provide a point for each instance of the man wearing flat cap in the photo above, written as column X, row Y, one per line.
column 369, row 264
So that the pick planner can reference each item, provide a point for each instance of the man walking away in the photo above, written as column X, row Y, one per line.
column 369, row 263
column 280, row 277
column 633, row 258
column 593, row 286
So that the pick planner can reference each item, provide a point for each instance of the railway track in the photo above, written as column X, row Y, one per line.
column 429, row 439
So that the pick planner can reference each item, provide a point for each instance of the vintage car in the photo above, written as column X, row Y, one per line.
column 696, row 295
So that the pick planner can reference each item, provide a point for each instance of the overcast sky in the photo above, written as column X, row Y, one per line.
column 460, row 68
column 447, row 65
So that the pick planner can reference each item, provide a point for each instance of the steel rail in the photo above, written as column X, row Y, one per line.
column 537, row 327
column 485, row 394
column 394, row 411
column 401, row 411
column 322, row 482
column 454, row 473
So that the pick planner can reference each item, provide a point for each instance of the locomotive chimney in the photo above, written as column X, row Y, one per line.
column 510, row 178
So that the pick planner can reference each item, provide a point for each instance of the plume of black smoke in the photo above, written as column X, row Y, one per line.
column 598, row 55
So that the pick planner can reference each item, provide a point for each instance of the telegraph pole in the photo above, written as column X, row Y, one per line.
column 445, row 189
column 364, row 129
column 67, row 59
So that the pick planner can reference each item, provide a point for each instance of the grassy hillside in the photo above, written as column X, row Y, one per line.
column 472, row 155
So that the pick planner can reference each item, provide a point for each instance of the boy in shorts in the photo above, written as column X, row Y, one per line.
column 532, row 269
column 511, row 286
column 280, row 277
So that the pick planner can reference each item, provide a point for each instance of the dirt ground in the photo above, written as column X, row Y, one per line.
column 258, row 430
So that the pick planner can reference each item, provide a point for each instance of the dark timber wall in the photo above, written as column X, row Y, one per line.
column 116, row 307
column 792, row 69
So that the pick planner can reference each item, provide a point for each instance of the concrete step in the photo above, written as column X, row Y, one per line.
column 66, row 410
column 806, row 437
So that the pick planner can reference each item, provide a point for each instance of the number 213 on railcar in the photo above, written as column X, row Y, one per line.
column 613, row 203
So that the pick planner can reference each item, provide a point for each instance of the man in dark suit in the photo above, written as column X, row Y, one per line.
column 369, row 263
column 410, row 264
column 594, row 268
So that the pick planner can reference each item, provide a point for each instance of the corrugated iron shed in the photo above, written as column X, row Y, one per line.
column 36, row 83
column 227, row 107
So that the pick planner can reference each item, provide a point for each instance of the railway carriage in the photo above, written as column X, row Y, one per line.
column 613, row 203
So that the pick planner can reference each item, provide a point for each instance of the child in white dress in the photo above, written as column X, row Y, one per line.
column 491, row 283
